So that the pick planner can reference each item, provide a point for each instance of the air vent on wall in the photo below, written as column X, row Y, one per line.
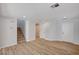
column 55, row 5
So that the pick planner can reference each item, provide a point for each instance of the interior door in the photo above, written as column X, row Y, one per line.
column 67, row 31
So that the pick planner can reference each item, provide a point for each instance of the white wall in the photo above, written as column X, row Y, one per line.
column 42, row 11
column 39, row 10
column 32, row 11
column 8, row 32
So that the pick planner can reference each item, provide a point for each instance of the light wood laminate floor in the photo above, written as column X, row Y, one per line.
column 40, row 47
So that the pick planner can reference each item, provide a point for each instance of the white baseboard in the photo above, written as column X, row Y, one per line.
column 8, row 45
column 30, row 40
column 62, row 40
